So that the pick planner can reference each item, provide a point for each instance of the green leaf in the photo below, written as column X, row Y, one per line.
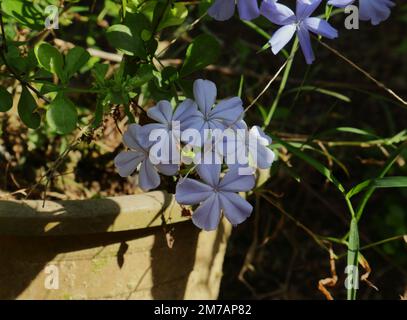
column 312, row 162
column 385, row 182
column 27, row 110
column 169, row 75
column 355, row 131
column 6, row 100
column 263, row 111
column 25, row 12
column 173, row 16
column 62, row 115
column 127, row 37
column 143, row 75
column 50, row 59
column 97, row 121
column 76, row 58
column 99, row 72
column 124, row 7
column 327, row 92
column 121, row 38
column 203, row 51
column 369, row 192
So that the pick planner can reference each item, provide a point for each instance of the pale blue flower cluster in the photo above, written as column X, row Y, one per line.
column 300, row 22
column 178, row 139
column 159, row 148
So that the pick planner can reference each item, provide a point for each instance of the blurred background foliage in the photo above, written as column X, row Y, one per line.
column 329, row 119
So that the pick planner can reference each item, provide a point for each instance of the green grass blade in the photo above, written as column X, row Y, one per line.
column 389, row 163
column 326, row 92
column 386, row 182
column 352, row 281
column 312, row 162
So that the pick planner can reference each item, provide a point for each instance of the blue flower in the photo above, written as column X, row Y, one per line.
column 223, row 10
column 127, row 162
column 375, row 11
column 169, row 127
column 252, row 148
column 216, row 196
column 300, row 23
column 227, row 113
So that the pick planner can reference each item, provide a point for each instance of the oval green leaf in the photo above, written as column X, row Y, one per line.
column 6, row 100
column 76, row 58
column 203, row 51
column 62, row 116
column 27, row 109
column 50, row 59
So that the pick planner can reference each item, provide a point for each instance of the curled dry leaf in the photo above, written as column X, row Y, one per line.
column 330, row 281
column 363, row 262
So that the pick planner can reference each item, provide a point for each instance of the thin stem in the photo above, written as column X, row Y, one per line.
column 282, row 84
column 365, row 73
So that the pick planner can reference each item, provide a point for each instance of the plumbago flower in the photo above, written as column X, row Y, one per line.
column 169, row 127
column 156, row 148
column 376, row 11
column 127, row 162
column 300, row 23
column 223, row 10
column 252, row 146
column 227, row 113
column 216, row 196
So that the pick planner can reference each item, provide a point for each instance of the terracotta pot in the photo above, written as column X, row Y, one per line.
column 114, row 248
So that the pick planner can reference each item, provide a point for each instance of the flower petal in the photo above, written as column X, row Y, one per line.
column 222, row 10
column 147, row 133
column 340, row 3
column 205, row 95
column 281, row 37
column 207, row 215
column 240, row 125
column 230, row 111
column 321, row 27
column 234, row 207
column 190, row 191
column 306, row 7
column 261, row 156
column 126, row 162
column 210, row 173
column 277, row 13
column 233, row 182
column 168, row 169
column 248, row 9
column 136, row 137
column 187, row 113
column 375, row 10
column 193, row 135
column 148, row 176
column 161, row 112
column 305, row 42
column 258, row 133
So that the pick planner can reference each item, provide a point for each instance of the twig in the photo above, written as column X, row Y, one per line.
column 314, row 236
column 365, row 73
column 268, row 84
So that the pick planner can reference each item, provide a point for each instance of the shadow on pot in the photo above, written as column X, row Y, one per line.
column 107, row 248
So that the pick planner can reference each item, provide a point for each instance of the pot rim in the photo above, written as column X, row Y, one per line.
column 75, row 217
